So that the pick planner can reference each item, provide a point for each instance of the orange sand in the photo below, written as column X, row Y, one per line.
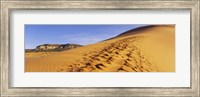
column 148, row 50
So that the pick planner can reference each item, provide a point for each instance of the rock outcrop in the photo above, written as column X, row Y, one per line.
column 56, row 47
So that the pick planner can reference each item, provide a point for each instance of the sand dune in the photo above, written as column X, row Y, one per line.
column 150, row 49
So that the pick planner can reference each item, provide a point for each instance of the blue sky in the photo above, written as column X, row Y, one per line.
column 79, row 34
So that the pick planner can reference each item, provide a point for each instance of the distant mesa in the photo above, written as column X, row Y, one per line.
column 54, row 47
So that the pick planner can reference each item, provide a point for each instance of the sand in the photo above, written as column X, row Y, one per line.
column 148, row 50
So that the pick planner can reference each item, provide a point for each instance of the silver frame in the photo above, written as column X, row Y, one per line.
column 8, row 5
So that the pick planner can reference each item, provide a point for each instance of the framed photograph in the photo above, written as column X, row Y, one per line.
column 100, row 48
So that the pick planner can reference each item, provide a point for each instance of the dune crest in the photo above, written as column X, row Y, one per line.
column 147, row 49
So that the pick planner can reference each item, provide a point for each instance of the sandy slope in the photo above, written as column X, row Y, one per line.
column 148, row 50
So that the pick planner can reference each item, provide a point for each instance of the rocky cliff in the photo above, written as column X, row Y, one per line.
column 56, row 47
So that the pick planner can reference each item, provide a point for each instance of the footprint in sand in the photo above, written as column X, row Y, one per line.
column 120, row 56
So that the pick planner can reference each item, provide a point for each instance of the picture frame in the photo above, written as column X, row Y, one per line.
column 8, row 5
